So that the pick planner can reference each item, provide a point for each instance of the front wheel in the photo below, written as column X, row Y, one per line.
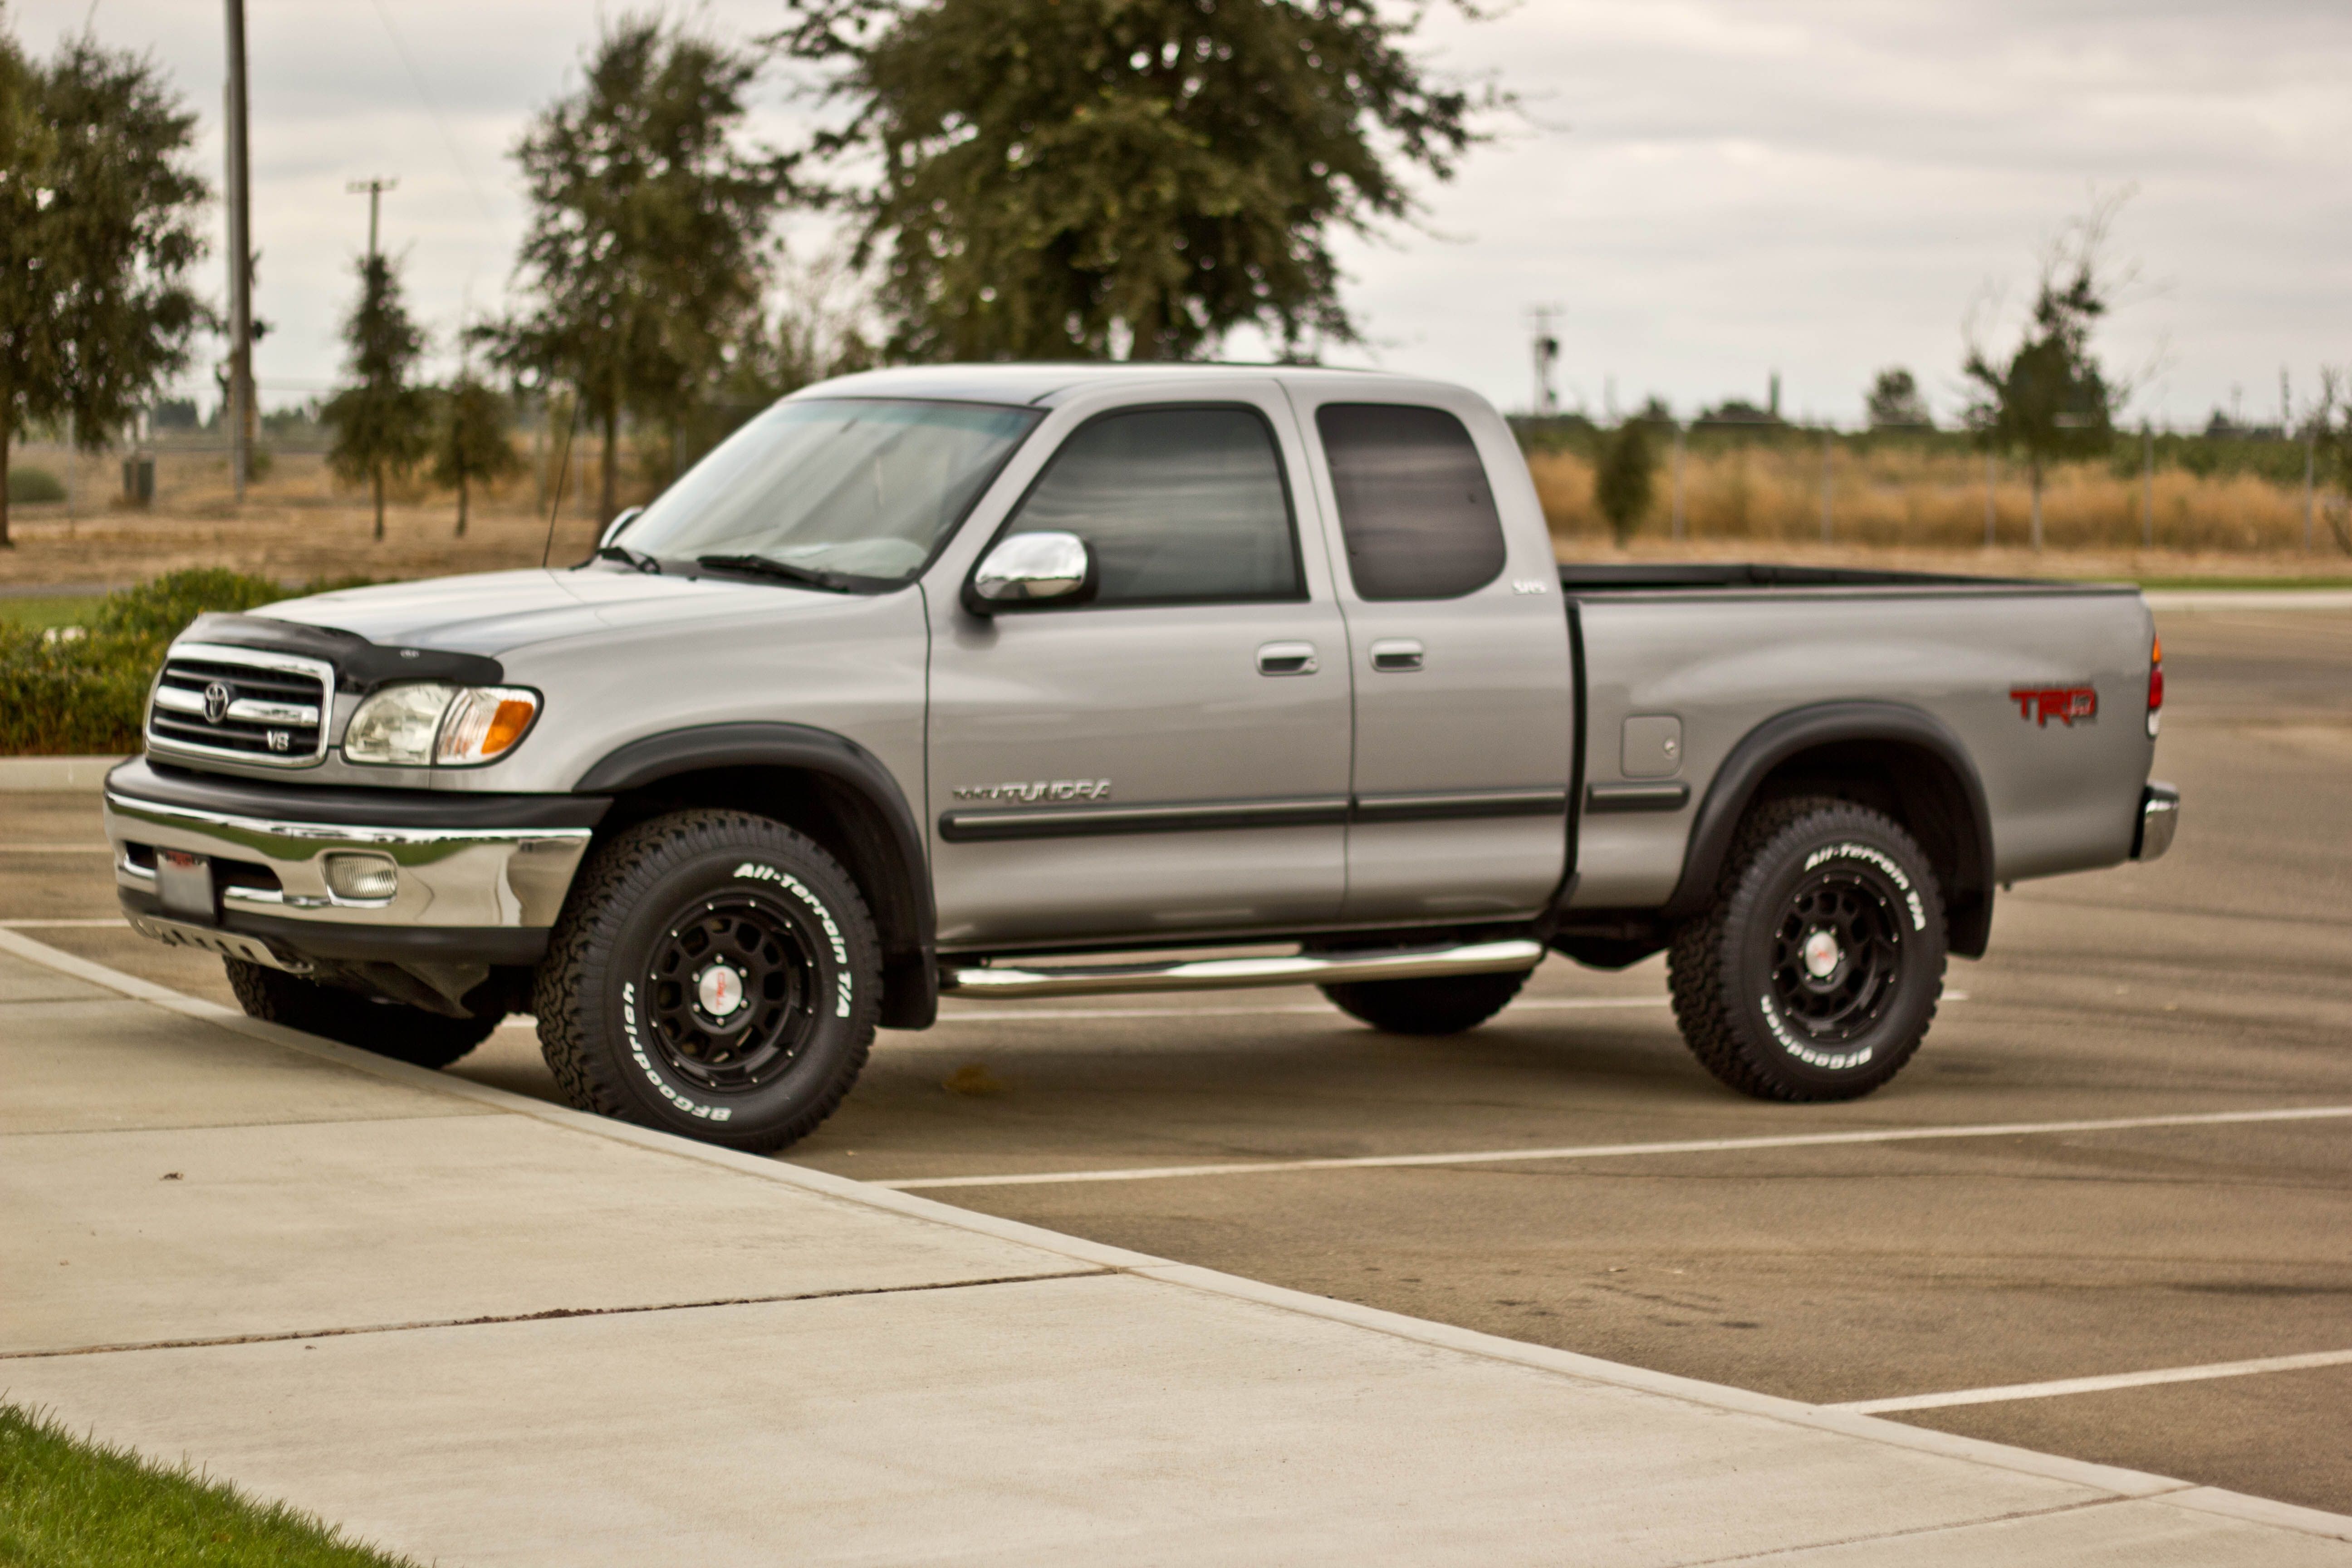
column 1815, row 973
column 392, row 1029
column 713, row 974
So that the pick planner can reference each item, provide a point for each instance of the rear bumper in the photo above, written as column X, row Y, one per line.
column 2159, row 817
column 476, row 881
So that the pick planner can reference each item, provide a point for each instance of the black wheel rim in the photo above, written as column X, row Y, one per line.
column 729, row 992
column 1836, row 956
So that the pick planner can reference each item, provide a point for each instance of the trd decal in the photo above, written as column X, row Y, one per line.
column 2064, row 703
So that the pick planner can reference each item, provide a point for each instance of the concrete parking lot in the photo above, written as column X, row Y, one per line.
column 2214, row 984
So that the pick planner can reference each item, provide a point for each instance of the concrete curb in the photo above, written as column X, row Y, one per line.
column 26, row 774
column 2120, row 1484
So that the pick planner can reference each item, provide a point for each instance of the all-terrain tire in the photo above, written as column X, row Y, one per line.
column 635, row 1018
column 1446, row 1005
column 394, row 1029
column 1814, row 974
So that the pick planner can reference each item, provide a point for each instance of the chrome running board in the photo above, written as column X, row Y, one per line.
column 1232, row 973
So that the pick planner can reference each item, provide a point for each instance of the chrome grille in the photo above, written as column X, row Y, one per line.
column 250, row 704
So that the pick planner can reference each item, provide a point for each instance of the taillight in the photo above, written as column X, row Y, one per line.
column 2155, row 686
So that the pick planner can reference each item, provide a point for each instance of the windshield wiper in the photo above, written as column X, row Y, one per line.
column 783, row 571
column 629, row 557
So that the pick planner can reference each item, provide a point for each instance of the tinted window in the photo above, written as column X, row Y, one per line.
column 1414, row 504
column 1177, row 503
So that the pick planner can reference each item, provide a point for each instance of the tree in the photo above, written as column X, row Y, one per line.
column 2049, row 399
column 1624, row 478
column 648, row 246
column 382, row 425
column 1894, row 400
column 1056, row 175
column 471, row 444
column 97, row 233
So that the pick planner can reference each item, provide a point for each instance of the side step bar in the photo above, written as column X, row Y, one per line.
column 1230, row 973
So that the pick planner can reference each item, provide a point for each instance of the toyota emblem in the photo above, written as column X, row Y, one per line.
column 216, row 698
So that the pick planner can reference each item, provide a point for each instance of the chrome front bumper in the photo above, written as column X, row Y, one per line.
column 2159, row 819
column 447, row 878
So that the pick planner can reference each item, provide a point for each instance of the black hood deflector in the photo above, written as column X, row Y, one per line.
column 361, row 665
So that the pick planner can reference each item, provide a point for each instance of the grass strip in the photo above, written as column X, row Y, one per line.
column 70, row 1503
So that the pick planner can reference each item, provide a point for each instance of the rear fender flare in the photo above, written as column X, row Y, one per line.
column 1969, row 892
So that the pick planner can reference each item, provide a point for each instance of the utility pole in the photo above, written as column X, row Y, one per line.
column 1546, row 352
column 1988, row 513
column 2147, row 485
column 373, row 190
column 1828, row 435
column 1678, row 482
column 240, row 261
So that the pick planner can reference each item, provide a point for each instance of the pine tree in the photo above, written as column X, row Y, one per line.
column 471, row 444
column 382, row 425
column 97, row 235
column 1058, row 174
column 648, row 247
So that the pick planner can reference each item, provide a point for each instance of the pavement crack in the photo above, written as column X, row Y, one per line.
column 549, row 1314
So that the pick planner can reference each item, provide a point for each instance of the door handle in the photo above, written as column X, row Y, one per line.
column 1286, row 659
column 1396, row 654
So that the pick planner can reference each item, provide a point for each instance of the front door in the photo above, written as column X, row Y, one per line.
column 1171, row 758
column 1459, row 641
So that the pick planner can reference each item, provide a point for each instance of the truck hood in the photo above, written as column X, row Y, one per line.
column 495, row 612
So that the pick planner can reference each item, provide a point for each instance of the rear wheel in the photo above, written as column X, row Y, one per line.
column 713, row 974
column 1447, row 1006
column 394, row 1029
column 1815, row 973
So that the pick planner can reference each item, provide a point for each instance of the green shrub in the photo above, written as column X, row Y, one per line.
column 62, row 695
column 28, row 485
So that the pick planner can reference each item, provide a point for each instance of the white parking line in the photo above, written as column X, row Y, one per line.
column 1033, row 1015
column 2096, row 1385
column 1623, row 1151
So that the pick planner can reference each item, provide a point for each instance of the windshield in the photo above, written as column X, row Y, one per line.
column 857, row 488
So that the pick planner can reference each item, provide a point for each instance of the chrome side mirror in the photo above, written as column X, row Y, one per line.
column 621, row 520
column 1030, row 569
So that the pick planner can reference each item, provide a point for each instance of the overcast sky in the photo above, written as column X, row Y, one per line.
column 1711, row 190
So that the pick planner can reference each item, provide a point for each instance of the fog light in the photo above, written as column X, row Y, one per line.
column 362, row 876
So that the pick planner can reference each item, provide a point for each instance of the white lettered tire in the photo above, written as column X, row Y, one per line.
column 714, row 974
column 1815, row 974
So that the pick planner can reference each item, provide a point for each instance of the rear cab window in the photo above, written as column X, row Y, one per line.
column 1415, row 507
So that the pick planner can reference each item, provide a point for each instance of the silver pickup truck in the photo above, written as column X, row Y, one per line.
column 1042, row 680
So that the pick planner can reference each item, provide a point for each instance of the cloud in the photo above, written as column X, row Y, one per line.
column 1816, row 186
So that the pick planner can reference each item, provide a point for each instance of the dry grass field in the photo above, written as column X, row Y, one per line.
column 1904, row 500
column 1892, row 508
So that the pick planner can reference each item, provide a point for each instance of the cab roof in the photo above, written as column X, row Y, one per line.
column 1046, row 384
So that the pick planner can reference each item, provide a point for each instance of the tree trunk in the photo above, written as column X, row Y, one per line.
column 461, row 503
column 379, row 501
column 2034, row 470
column 609, row 503
column 5, row 542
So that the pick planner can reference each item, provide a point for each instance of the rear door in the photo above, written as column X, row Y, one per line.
column 1458, row 641
column 1173, row 757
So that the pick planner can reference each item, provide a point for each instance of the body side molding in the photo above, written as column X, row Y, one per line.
column 1951, row 787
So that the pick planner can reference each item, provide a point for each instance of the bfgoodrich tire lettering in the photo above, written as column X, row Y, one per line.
column 1814, row 973
column 714, row 974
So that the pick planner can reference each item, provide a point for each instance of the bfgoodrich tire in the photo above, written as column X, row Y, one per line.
column 713, row 974
column 1814, row 974
column 394, row 1029
column 1448, row 1004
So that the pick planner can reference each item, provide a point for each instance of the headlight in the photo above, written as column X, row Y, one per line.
column 424, row 721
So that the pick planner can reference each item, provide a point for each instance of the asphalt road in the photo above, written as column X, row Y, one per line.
column 2216, row 982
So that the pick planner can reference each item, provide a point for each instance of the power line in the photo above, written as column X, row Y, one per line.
column 416, row 80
